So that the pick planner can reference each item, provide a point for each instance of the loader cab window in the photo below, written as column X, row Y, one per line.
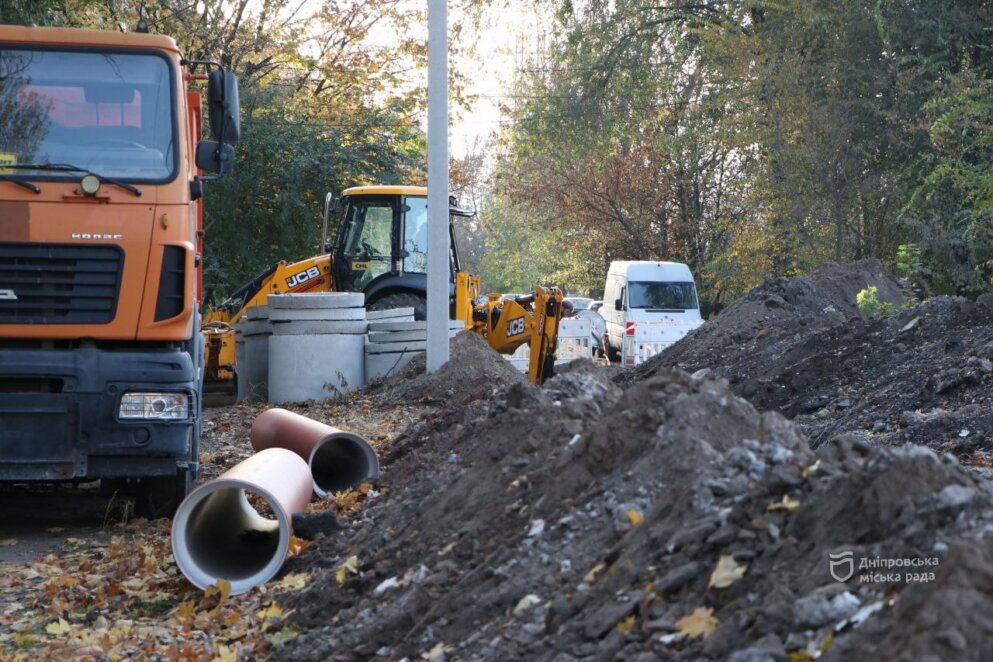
column 109, row 112
column 415, row 236
column 367, row 245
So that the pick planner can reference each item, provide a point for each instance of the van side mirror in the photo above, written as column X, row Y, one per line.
column 223, row 106
column 706, row 308
column 215, row 157
column 618, row 305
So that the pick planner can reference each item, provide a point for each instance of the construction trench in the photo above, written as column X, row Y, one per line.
column 654, row 513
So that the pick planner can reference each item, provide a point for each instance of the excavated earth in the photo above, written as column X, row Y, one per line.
column 664, row 515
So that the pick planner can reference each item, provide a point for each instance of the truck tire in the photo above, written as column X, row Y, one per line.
column 403, row 300
column 160, row 496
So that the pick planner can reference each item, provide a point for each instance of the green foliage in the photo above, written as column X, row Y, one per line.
column 871, row 307
column 750, row 139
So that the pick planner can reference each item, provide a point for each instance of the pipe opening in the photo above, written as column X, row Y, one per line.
column 340, row 462
column 221, row 535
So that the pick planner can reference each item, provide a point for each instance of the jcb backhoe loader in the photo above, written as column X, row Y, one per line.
column 380, row 250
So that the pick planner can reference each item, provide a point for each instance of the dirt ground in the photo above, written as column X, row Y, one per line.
column 790, row 482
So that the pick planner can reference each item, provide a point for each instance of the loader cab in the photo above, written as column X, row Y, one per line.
column 381, row 247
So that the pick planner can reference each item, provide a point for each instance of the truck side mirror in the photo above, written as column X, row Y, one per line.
column 215, row 157
column 223, row 106
column 618, row 305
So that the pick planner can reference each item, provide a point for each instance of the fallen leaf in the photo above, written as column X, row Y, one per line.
column 351, row 565
column 727, row 572
column 8, row 542
column 591, row 576
column 186, row 609
column 526, row 603
column 297, row 545
column 58, row 628
column 225, row 654
column 627, row 625
column 295, row 581
column 272, row 611
column 284, row 635
column 635, row 517
column 786, row 504
column 697, row 624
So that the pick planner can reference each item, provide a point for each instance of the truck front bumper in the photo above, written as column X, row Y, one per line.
column 59, row 414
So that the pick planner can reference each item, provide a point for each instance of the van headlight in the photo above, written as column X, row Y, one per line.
column 155, row 406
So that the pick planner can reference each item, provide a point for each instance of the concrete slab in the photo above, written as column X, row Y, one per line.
column 383, row 365
column 385, row 348
column 317, row 300
column 317, row 314
column 393, row 315
column 317, row 327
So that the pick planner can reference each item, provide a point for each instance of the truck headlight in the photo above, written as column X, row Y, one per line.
column 155, row 406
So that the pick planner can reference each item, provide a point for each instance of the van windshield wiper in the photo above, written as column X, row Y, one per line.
column 20, row 182
column 65, row 167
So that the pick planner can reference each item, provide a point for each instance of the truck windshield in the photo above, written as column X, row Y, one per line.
column 661, row 295
column 110, row 113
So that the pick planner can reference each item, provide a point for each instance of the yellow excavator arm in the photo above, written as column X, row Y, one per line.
column 509, row 322
column 310, row 275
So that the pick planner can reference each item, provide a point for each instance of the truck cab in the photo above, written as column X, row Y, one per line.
column 100, row 243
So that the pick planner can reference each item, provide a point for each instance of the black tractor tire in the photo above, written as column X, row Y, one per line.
column 160, row 496
column 403, row 300
column 613, row 355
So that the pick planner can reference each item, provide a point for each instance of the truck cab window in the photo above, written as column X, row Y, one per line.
column 111, row 113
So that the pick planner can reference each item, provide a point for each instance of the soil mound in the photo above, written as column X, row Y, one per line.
column 778, row 309
column 669, row 520
column 474, row 371
column 922, row 376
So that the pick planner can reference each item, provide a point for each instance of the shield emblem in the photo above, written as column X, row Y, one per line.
column 842, row 565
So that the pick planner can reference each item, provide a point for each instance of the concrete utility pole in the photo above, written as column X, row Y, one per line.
column 438, row 237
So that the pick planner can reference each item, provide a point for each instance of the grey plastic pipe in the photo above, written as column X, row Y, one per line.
column 338, row 459
column 218, row 534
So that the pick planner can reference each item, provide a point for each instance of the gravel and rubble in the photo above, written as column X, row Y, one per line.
column 665, row 519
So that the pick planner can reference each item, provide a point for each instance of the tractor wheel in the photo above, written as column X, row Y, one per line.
column 402, row 300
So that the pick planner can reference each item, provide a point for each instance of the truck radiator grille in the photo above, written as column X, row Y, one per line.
column 59, row 283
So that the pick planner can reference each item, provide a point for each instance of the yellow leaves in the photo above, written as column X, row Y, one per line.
column 350, row 566
column 627, row 625
column 727, row 572
column 594, row 572
column 295, row 581
column 272, row 611
column 58, row 628
column 635, row 517
column 214, row 596
column 186, row 609
column 225, row 654
column 297, row 545
column 786, row 504
column 701, row 622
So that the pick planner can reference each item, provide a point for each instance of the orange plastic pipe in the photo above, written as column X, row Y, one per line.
column 218, row 534
column 338, row 459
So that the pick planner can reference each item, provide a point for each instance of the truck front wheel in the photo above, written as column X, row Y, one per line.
column 160, row 496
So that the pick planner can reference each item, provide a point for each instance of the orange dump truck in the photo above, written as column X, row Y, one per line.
column 101, row 203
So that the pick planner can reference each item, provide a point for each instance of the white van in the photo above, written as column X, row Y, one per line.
column 647, row 306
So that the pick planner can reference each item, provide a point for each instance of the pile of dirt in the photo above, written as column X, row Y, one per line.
column 667, row 520
column 474, row 371
column 922, row 376
column 779, row 309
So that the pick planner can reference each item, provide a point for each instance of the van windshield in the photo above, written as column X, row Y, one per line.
column 106, row 112
column 662, row 295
